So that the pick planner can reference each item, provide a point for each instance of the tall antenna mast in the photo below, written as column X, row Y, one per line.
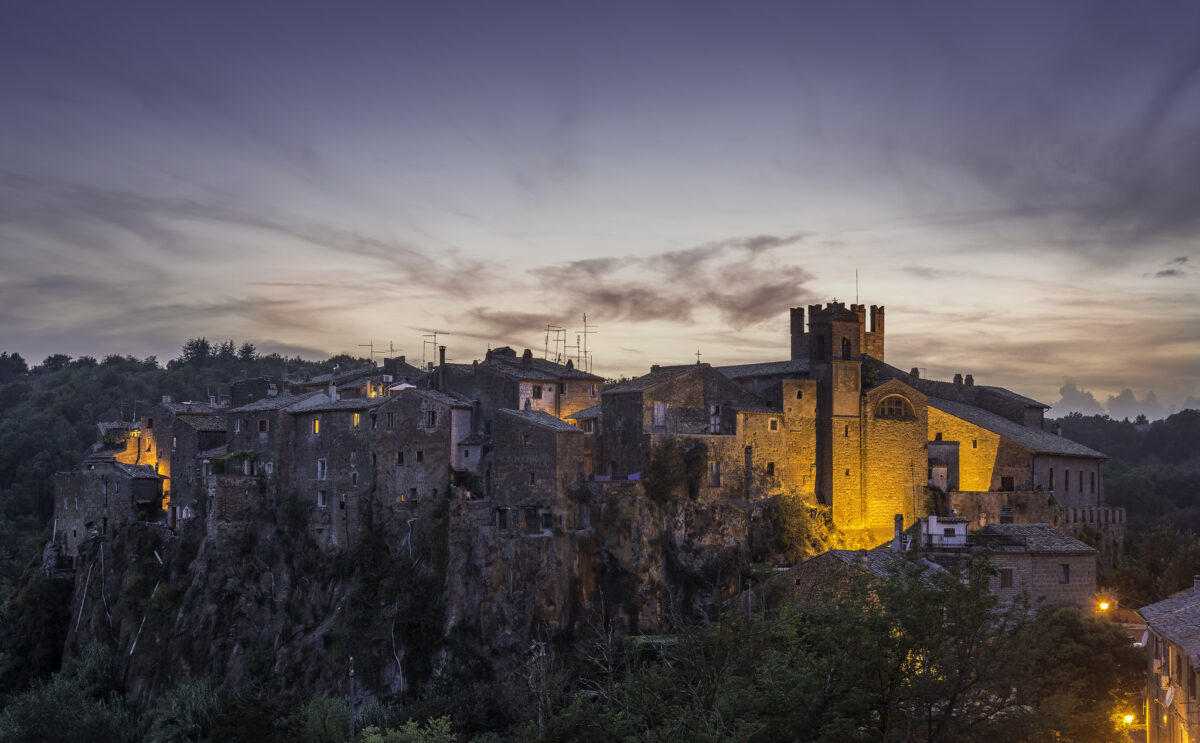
column 560, row 342
column 586, row 362
column 370, row 345
column 433, row 342
column 856, row 286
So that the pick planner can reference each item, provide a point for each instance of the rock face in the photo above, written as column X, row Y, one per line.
column 260, row 601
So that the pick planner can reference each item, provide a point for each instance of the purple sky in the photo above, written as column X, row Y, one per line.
column 1019, row 183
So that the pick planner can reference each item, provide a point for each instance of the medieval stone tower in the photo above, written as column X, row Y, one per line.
column 834, row 343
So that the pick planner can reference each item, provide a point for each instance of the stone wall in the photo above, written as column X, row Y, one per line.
column 895, row 461
column 1061, row 476
column 1042, row 575
column 97, row 498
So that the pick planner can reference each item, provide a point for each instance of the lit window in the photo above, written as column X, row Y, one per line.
column 355, row 419
column 895, row 407
column 316, row 425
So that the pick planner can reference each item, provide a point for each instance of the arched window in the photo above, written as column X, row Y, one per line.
column 895, row 407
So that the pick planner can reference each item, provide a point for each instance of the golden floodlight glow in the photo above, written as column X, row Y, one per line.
column 1128, row 719
column 1103, row 606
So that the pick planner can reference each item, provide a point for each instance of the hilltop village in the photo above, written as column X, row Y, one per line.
column 554, row 497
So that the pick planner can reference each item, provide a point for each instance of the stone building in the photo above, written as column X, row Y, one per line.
column 417, row 445
column 1172, row 644
column 504, row 381
column 538, row 458
column 98, row 496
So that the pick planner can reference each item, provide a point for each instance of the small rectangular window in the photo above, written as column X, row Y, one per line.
column 264, row 425
column 322, row 469
column 771, row 469
column 1064, row 573
column 374, row 422
column 399, row 457
column 1051, row 488
column 589, row 426
column 420, row 456
column 353, row 478
column 237, row 426
column 774, row 424
column 321, row 499
column 533, row 478
column 355, row 419
column 714, row 474
column 391, row 421
column 412, row 493
column 974, row 443
column 591, row 390
column 1006, row 483
column 1067, row 480
column 466, row 453
column 430, row 418
column 316, row 425
column 562, row 388
column 537, row 392
column 1006, row 577
column 1093, row 480
column 525, row 439
column 501, row 518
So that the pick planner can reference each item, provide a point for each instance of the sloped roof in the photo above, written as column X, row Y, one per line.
column 216, row 451
column 1027, row 401
column 1035, row 538
column 449, row 399
column 138, row 471
column 1177, row 619
column 766, row 369
column 593, row 412
column 1041, row 442
column 540, row 418
column 476, row 439
column 204, row 422
column 277, row 402
column 319, row 402
column 341, row 377
column 655, row 377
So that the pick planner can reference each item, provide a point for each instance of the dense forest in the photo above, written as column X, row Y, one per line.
column 905, row 657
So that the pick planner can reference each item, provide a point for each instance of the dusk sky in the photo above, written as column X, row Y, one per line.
column 1018, row 183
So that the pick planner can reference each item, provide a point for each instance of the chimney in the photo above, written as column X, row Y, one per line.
column 442, row 368
column 333, row 393
column 970, row 380
column 896, row 539
column 915, row 373
column 527, row 359
column 212, row 401
column 958, row 380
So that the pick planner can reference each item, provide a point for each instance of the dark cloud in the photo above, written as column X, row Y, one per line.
column 1127, row 405
column 1178, row 260
column 1169, row 273
column 1075, row 400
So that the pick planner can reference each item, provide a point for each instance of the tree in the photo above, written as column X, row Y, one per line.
column 247, row 352
column 187, row 712
column 196, row 352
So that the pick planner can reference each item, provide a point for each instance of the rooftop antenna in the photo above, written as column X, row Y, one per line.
column 856, row 286
column 433, row 336
column 391, row 351
column 585, row 363
column 560, row 343
column 370, row 345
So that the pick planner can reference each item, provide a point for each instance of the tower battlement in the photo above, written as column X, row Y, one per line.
column 835, row 330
